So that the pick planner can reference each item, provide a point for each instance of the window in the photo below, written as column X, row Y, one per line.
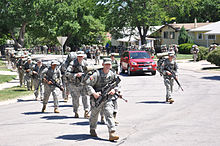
column 172, row 35
column 211, row 37
column 165, row 34
column 199, row 36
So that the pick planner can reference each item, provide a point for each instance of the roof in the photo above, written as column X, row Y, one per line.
column 213, row 28
column 187, row 26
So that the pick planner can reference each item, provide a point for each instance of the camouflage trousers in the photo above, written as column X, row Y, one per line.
column 108, row 109
column 38, row 86
column 65, row 92
column 115, row 108
column 28, row 81
column 48, row 89
column 168, row 82
column 76, row 92
column 21, row 76
column 195, row 56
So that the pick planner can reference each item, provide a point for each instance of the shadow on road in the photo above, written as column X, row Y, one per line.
column 210, row 68
column 22, row 100
column 212, row 78
column 135, row 75
column 55, row 117
column 79, row 137
column 153, row 102
column 64, row 106
column 34, row 113
column 85, row 123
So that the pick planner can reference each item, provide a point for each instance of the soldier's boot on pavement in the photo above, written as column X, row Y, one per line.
column 112, row 136
column 102, row 120
column 44, row 108
column 93, row 133
column 170, row 100
column 86, row 114
column 76, row 115
column 114, row 115
column 56, row 110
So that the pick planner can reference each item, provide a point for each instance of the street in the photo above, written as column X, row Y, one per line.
column 193, row 119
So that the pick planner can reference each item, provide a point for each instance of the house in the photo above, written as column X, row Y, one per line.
column 131, row 37
column 207, row 35
column 169, row 33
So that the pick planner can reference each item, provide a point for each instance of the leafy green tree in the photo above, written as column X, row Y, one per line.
column 184, row 37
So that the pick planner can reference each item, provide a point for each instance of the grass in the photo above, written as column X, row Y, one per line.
column 3, row 66
column 184, row 56
column 14, row 92
column 6, row 78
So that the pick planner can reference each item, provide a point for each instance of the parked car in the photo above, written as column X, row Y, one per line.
column 137, row 61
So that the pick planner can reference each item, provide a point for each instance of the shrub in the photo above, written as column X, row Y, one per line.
column 214, row 57
column 184, row 37
column 185, row 48
column 203, row 52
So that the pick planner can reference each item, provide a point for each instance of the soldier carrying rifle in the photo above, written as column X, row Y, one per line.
column 97, row 81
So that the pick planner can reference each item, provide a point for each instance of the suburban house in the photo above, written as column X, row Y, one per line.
column 169, row 33
column 131, row 37
column 206, row 35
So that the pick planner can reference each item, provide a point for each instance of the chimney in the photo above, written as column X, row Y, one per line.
column 195, row 23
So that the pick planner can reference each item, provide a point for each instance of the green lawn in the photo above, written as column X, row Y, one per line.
column 3, row 66
column 14, row 92
column 6, row 78
column 184, row 56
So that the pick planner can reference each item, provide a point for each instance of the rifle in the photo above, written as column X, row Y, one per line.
column 173, row 74
column 54, row 83
column 105, row 90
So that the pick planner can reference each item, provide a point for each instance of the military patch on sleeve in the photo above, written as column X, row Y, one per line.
column 91, row 77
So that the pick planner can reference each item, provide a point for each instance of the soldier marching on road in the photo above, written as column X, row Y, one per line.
column 52, row 78
column 28, row 68
column 74, row 75
column 19, row 65
column 37, row 82
column 96, row 82
column 195, row 52
column 169, row 65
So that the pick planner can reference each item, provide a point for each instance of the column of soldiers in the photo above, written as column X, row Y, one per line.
column 77, row 81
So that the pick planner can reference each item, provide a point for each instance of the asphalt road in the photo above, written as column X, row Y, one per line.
column 193, row 119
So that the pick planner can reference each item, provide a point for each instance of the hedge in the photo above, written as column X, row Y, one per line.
column 203, row 52
column 185, row 48
column 214, row 57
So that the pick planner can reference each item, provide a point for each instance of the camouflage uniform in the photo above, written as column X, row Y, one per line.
column 97, row 81
column 28, row 68
column 48, row 89
column 37, row 82
column 195, row 51
column 168, row 80
column 19, row 65
column 76, row 87
column 97, row 56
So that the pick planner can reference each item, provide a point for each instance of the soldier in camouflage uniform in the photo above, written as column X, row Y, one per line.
column 28, row 69
column 37, row 82
column 97, row 81
column 19, row 64
column 76, row 87
column 47, row 74
column 195, row 51
column 97, row 56
column 169, row 64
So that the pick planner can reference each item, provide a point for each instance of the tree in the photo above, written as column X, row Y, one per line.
column 184, row 37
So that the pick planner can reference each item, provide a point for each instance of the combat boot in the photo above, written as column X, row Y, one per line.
column 170, row 100
column 86, row 114
column 56, row 110
column 93, row 133
column 44, row 108
column 76, row 115
column 112, row 136
column 102, row 120
column 114, row 115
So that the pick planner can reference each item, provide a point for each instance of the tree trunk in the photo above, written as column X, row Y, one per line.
column 19, row 43
column 143, row 33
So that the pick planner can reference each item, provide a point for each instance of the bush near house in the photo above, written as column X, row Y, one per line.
column 203, row 52
column 214, row 57
column 185, row 48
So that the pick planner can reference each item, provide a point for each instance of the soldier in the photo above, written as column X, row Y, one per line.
column 169, row 64
column 163, row 48
column 28, row 68
column 97, row 81
column 19, row 64
column 114, row 63
column 37, row 82
column 97, row 56
column 51, row 77
column 75, row 76
column 212, row 47
column 195, row 51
